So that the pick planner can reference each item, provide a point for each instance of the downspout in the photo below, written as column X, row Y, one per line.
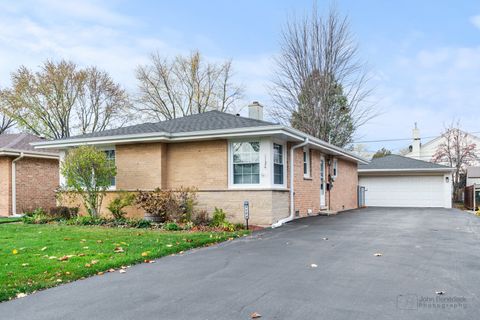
column 14, row 183
column 292, row 191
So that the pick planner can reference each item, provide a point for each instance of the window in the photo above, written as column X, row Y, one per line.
column 111, row 156
column 306, row 163
column 335, row 168
column 277, row 164
column 246, row 162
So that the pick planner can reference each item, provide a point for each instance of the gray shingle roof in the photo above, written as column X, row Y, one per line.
column 211, row 120
column 473, row 172
column 399, row 162
column 21, row 142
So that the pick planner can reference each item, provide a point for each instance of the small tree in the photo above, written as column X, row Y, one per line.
column 382, row 153
column 88, row 172
column 456, row 151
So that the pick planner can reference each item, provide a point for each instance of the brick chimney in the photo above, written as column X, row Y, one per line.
column 255, row 110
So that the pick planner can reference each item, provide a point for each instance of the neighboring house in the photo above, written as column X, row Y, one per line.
column 28, row 177
column 425, row 151
column 398, row 181
column 473, row 176
column 230, row 159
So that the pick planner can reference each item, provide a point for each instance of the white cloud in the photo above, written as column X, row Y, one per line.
column 475, row 20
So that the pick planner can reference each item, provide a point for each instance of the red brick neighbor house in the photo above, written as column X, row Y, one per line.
column 28, row 177
column 230, row 160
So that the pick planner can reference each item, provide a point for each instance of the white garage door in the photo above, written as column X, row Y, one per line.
column 404, row 191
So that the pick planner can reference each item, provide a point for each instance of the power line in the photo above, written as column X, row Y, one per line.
column 404, row 139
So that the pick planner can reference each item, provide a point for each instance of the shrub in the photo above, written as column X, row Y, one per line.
column 158, row 203
column 219, row 217
column 116, row 206
column 171, row 226
column 139, row 223
column 38, row 211
column 87, row 221
column 187, row 198
column 63, row 212
column 201, row 218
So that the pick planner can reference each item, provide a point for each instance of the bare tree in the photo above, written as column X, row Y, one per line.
column 185, row 85
column 62, row 99
column 320, row 85
column 5, row 123
column 457, row 151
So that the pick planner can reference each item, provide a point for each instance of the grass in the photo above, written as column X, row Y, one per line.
column 9, row 220
column 30, row 255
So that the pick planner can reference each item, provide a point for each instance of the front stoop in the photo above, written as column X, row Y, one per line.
column 327, row 213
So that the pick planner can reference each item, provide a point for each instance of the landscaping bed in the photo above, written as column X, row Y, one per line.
column 34, row 257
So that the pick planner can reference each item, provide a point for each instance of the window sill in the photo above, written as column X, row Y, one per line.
column 307, row 178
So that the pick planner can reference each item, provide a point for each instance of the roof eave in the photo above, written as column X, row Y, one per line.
column 406, row 170
column 27, row 153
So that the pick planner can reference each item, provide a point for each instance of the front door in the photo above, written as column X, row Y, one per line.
column 323, row 183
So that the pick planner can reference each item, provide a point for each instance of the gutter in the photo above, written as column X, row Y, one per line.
column 14, row 183
column 292, row 191
column 365, row 171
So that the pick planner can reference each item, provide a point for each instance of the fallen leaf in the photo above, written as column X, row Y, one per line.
column 15, row 251
column 111, row 270
column 440, row 293
column 118, row 250
column 67, row 273
column 324, row 238
column 24, row 264
column 59, row 280
column 100, row 273
column 146, row 253
column 122, row 271
column 378, row 254
column 43, row 249
column 149, row 261
column 94, row 262
column 81, row 254
column 64, row 258
column 21, row 295
column 169, row 245
column 255, row 315
column 87, row 265
column 313, row 265
column 99, row 241
column 52, row 257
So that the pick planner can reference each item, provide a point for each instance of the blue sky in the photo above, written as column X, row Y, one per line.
column 424, row 55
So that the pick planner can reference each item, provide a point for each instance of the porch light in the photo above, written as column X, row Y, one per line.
column 447, row 179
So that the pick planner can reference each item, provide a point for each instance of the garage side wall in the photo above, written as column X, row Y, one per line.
column 5, row 186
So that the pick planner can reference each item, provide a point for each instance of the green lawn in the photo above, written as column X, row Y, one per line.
column 34, row 257
column 9, row 220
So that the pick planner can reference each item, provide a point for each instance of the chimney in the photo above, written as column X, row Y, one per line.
column 255, row 110
column 416, row 144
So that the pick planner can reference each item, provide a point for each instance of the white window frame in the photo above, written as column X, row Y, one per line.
column 111, row 148
column 284, row 164
column 231, row 183
column 306, row 160
column 335, row 168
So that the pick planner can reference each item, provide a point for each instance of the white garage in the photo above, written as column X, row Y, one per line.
column 397, row 181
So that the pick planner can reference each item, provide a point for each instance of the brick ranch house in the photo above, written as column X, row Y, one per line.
column 28, row 177
column 229, row 159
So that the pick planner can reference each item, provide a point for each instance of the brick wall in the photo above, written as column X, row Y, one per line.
column 139, row 166
column 344, row 193
column 5, row 182
column 36, row 181
column 202, row 164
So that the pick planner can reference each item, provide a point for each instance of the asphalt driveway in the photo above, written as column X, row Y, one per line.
column 424, row 251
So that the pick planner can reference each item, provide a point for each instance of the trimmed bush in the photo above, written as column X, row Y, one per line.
column 116, row 206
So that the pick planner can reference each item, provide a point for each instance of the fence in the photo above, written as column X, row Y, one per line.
column 469, row 197
column 361, row 196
